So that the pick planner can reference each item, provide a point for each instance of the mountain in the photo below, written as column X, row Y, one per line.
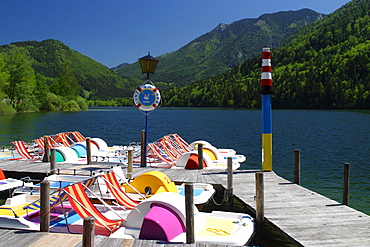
column 97, row 81
column 225, row 47
column 322, row 65
column 119, row 66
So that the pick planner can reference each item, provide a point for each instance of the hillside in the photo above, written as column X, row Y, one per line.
column 323, row 65
column 47, row 58
column 225, row 47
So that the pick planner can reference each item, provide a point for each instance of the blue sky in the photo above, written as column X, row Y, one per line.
column 116, row 31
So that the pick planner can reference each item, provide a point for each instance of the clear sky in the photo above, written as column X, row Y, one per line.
column 116, row 31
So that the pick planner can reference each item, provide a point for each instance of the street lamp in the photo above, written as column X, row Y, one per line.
column 148, row 64
column 147, row 98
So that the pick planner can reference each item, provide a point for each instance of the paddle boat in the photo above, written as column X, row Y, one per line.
column 163, row 217
column 66, row 210
column 213, row 158
column 154, row 182
column 143, row 186
column 77, row 152
column 190, row 160
column 172, row 151
column 217, row 153
column 8, row 185
column 13, row 208
column 56, row 181
column 70, row 147
column 160, row 217
column 9, row 154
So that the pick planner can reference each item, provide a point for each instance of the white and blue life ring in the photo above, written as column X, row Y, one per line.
column 147, row 97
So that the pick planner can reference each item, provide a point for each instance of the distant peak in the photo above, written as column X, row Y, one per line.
column 221, row 27
column 119, row 66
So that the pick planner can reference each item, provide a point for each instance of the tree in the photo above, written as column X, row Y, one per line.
column 41, row 90
column 4, row 75
column 67, row 84
column 21, row 80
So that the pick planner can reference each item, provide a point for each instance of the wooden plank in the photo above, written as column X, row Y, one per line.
column 102, row 241
column 57, row 240
column 20, row 238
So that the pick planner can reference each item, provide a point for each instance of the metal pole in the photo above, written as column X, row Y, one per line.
column 146, row 133
column 143, row 149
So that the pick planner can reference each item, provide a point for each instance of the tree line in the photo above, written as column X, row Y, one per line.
column 23, row 90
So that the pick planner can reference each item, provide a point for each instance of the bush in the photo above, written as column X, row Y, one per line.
column 71, row 106
column 82, row 103
column 6, row 109
column 52, row 102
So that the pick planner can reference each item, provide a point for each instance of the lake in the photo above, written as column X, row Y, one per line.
column 326, row 139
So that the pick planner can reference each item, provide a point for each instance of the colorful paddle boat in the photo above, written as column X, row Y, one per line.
column 154, row 182
column 8, row 185
column 163, row 217
column 160, row 217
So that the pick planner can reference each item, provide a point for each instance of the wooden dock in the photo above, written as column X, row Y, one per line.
column 303, row 216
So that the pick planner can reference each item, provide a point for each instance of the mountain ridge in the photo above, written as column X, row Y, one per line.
column 324, row 65
column 225, row 46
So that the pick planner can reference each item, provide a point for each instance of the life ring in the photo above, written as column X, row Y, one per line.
column 147, row 97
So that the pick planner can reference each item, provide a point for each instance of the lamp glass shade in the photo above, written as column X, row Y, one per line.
column 148, row 64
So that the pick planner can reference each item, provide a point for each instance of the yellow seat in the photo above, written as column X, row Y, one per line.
column 152, row 182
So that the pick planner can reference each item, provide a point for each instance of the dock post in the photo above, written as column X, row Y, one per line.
column 53, row 161
column 189, row 208
column 297, row 166
column 88, row 232
column 143, row 149
column 200, row 155
column 229, row 179
column 88, row 150
column 46, row 157
column 129, row 164
column 260, row 208
column 45, row 206
column 345, row 199
column 266, row 92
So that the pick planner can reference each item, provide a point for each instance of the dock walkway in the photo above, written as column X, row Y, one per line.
column 307, row 217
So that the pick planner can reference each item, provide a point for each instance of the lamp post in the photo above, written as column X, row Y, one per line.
column 148, row 64
column 147, row 96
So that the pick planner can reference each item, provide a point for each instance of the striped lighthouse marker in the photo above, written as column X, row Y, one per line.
column 266, row 93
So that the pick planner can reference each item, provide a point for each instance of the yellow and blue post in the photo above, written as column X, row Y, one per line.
column 266, row 93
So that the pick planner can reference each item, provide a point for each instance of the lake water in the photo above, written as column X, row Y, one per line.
column 327, row 139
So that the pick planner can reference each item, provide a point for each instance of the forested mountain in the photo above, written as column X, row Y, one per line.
column 323, row 65
column 50, row 76
column 225, row 47
column 48, row 59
